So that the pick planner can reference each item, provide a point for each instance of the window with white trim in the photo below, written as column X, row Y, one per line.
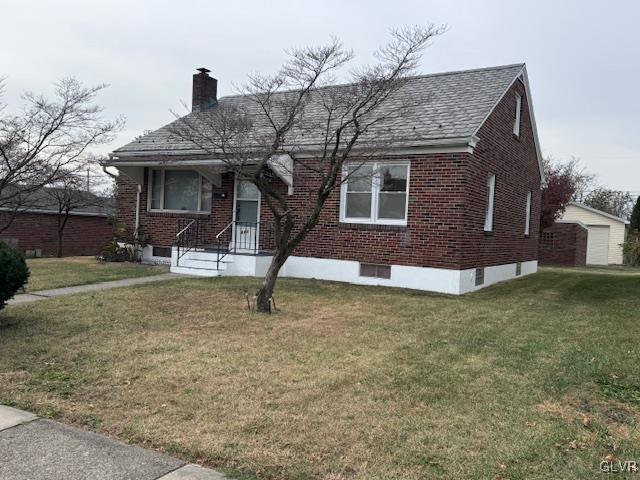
column 375, row 192
column 179, row 191
column 516, row 122
column 527, row 220
column 491, row 192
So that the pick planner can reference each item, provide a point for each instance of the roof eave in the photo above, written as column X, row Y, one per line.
column 598, row 212
column 441, row 145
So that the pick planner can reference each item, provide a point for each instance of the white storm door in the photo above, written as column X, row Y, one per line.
column 247, row 216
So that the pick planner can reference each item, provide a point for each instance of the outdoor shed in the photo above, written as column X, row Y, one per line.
column 606, row 233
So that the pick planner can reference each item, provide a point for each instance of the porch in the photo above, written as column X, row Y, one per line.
column 241, row 249
column 199, row 215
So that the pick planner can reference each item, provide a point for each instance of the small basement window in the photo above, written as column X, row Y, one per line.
column 479, row 276
column 518, row 269
column 162, row 252
column 376, row 271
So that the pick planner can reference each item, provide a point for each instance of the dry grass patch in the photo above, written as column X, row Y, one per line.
column 345, row 382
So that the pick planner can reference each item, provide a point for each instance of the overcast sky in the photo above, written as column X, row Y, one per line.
column 583, row 57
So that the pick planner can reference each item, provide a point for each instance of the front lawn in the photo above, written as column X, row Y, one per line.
column 537, row 378
column 49, row 273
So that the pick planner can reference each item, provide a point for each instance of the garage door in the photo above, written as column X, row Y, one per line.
column 598, row 245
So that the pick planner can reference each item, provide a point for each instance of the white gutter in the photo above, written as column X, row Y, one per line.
column 453, row 145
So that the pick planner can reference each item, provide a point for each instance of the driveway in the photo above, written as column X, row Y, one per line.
column 34, row 448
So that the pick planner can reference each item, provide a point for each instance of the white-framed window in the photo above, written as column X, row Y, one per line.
column 527, row 219
column 516, row 121
column 491, row 192
column 173, row 190
column 375, row 192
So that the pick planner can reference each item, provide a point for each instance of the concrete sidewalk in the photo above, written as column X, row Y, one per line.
column 34, row 448
column 56, row 292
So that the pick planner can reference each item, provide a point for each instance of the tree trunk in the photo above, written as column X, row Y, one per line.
column 62, row 222
column 60, row 235
column 263, row 299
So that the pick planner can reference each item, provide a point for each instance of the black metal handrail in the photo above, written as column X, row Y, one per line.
column 245, row 237
column 187, row 238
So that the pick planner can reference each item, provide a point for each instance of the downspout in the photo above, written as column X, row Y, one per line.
column 137, row 226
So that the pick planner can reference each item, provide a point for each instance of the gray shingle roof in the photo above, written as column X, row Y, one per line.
column 45, row 200
column 452, row 105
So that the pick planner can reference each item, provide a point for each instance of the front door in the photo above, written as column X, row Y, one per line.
column 247, row 215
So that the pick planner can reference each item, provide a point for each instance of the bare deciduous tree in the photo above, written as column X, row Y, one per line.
column 45, row 137
column 69, row 194
column 295, row 120
column 615, row 202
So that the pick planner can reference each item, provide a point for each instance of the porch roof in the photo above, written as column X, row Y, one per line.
column 211, row 169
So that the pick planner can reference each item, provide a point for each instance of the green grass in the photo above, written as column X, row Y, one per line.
column 536, row 378
column 49, row 273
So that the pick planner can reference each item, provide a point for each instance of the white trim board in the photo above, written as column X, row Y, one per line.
column 444, row 145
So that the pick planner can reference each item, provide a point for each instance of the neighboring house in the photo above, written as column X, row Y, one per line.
column 606, row 233
column 34, row 230
column 458, row 208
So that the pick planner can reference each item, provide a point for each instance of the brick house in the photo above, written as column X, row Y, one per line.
column 456, row 207
column 34, row 229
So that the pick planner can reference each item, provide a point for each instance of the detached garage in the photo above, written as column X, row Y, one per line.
column 606, row 233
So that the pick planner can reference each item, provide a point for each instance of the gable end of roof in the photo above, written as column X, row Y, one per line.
column 598, row 212
column 521, row 75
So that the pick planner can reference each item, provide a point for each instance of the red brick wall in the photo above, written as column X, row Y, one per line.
column 446, row 206
column 514, row 162
column 569, row 246
column 432, row 237
column 162, row 226
column 82, row 235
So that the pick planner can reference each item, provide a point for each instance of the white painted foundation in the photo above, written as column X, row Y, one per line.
column 455, row 282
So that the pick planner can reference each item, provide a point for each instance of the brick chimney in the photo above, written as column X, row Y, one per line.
column 205, row 91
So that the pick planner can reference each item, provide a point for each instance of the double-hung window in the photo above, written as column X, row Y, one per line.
column 375, row 192
column 491, row 193
column 179, row 191
column 516, row 120
column 527, row 218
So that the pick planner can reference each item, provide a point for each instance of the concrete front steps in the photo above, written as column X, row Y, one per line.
column 204, row 263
